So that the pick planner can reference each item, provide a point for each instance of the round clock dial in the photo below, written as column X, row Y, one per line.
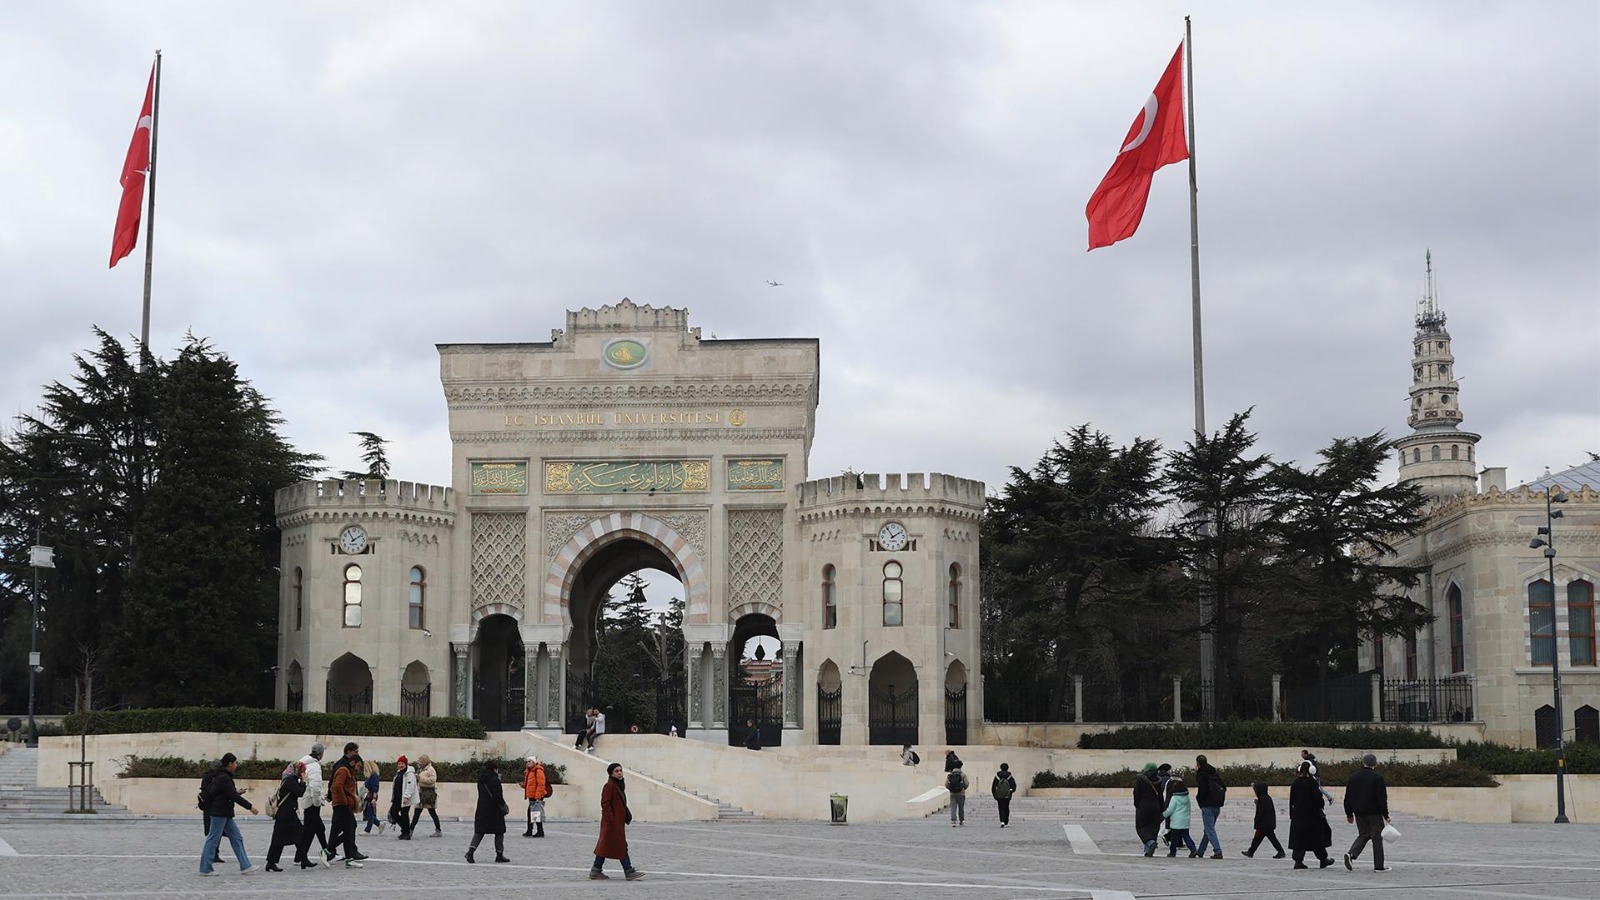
column 353, row 539
column 892, row 536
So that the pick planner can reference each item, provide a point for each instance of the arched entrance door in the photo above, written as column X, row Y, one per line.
column 416, row 691
column 955, row 704
column 498, row 679
column 349, row 685
column 755, row 679
column 830, row 703
column 892, row 701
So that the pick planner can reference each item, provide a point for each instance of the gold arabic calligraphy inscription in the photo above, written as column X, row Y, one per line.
column 689, row 476
column 755, row 474
column 500, row 478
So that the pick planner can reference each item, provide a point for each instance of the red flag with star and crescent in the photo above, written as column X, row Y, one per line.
column 1155, row 140
column 134, row 170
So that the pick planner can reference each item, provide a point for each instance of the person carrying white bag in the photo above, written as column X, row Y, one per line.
column 1366, row 805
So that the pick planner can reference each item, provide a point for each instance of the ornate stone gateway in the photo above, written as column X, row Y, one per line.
column 628, row 441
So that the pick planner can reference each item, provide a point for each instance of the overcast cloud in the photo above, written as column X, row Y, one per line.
column 342, row 185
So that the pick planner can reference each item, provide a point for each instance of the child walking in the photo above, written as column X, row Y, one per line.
column 1266, row 822
column 1177, row 816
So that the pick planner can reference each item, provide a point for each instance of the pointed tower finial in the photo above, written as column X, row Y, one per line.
column 1429, row 316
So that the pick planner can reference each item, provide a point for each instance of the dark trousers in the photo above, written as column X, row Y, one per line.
column 1179, row 837
column 284, row 834
column 344, row 831
column 1299, row 856
column 1005, row 810
column 416, row 816
column 1369, row 828
column 1270, row 836
column 499, row 842
column 627, row 864
column 311, row 830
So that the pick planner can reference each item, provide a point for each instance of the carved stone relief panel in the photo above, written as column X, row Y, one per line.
column 498, row 544
column 559, row 528
column 692, row 525
column 755, row 557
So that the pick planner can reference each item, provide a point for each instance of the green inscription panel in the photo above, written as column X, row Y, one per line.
column 500, row 478
column 692, row 476
column 755, row 474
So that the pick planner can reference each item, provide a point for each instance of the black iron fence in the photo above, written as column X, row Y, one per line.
column 1427, row 700
column 892, row 715
column 955, row 715
column 830, row 714
column 418, row 702
column 760, row 702
column 295, row 700
column 349, row 701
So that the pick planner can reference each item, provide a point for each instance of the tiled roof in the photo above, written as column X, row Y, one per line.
column 1572, row 479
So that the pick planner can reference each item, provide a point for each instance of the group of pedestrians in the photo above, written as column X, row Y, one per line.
column 1002, row 787
column 1160, row 796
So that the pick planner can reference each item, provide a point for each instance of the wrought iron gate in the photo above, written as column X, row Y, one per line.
column 758, row 701
column 583, row 694
column 955, row 715
column 418, row 702
column 891, row 716
column 670, row 706
column 830, row 714
column 355, row 702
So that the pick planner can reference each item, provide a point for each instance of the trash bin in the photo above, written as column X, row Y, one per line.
column 837, row 805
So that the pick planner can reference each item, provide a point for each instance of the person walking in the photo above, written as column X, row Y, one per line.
column 1002, row 789
column 1266, row 821
column 311, row 807
column 203, row 802
column 614, row 821
column 1210, row 793
column 427, row 795
column 342, row 792
column 1366, row 805
column 286, row 821
column 404, row 786
column 1148, row 808
column 1308, row 826
column 1178, row 814
column 909, row 757
column 956, row 782
column 752, row 740
column 367, row 793
column 220, row 803
column 490, row 815
column 535, row 787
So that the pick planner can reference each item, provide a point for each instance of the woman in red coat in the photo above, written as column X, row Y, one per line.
column 614, row 819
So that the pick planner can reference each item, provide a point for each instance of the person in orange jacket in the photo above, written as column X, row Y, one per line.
column 535, row 787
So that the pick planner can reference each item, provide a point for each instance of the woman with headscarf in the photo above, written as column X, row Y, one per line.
column 1308, row 826
column 1147, row 808
column 614, row 821
column 286, row 822
column 490, row 815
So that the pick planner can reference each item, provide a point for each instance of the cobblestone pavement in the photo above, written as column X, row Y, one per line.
column 1087, row 855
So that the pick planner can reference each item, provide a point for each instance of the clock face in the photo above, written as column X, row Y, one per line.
column 353, row 539
column 892, row 536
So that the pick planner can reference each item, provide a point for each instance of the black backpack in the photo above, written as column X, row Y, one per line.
column 952, row 782
column 915, row 759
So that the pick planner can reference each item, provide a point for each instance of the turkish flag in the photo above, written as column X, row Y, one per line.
column 134, row 169
column 1155, row 140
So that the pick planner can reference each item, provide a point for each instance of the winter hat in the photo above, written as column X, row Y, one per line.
column 317, row 748
column 1148, row 768
column 401, row 761
column 532, row 761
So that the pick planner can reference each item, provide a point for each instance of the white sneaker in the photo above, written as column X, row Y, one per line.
column 352, row 864
column 211, row 874
column 250, row 870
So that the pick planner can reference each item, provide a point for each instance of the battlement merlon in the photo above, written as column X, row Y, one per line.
column 625, row 316
column 358, row 496
column 914, row 486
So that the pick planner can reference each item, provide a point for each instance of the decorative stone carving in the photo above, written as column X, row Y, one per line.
column 555, row 675
column 530, row 683
column 755, row 557
column 498, row 544
column 719, row 687
column 693, row 526
column 459, row 698
column 558, row 529
column 695, row 656
column 791, row 686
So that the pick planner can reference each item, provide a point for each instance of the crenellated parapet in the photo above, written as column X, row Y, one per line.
column 364, row 499
column 911, row 494
column 625, row 316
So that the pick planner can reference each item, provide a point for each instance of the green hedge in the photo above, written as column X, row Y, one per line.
column 449, row 772
column 1334, row 774
column 1582, row 759
column 244, row 720
column 1257, row 733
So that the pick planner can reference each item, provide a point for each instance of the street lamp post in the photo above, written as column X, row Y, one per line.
column 1548, row 542
column 39, row 558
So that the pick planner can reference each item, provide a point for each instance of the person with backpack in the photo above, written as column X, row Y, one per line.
column 1210, row 793
column 951, row 760
column 535, row 788
column 220, row 803
column 202, row 800
column 909, row 757
column 955, row 781
column 1002, row 789
column 1266, row 822
column 284, row 808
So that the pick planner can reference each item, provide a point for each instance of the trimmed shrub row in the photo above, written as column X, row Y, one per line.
column 1582, row 758
column 1258, row 733
column 449, row 772
column 1239, row 778
column 244, row 720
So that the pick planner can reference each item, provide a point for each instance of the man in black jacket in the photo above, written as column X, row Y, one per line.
column 223, row 798
column 1366, row 805
column 1210, row 798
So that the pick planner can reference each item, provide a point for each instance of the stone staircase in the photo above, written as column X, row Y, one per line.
column 726, row 812
column 22, row 798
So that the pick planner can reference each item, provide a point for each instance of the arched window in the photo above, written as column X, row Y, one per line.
column 1411, row 656
column 1455, row 451
column 1416, row 454
column 352, row 596
column 418, row 596
column 1542, row 621
column 1458, row 630
column 893, row 594
column 298, row 599
column 1377, row 652
column 1435, row 451
column 830, row 598
column 953, row 615
column 1469, row 451
column 1580, row 622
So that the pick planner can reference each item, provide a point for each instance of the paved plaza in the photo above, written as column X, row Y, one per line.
column 1052, row 849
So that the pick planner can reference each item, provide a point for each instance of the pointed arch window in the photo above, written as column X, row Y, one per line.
column 1435, row 451
column 297, row 597
column 953, row 611
column 417, row 598
column 830, row 598
column 352, row 596
column 1542, row 622
column 1455, row 451
column 1416, row 454
column 1580, row 622
column 1458, row 629
column 893, row 594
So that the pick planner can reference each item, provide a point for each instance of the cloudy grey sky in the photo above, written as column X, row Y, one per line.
column 344, row 184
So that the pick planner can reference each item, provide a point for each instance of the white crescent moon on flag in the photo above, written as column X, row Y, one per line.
column 144, row 122
column 1150, row 107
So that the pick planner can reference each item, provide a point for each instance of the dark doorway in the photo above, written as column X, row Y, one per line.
column 500, row 684
column 955, row 704
column 755, row 682
column 830, row 704
column 892, row 701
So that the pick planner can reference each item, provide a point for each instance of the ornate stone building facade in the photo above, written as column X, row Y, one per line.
column 627, row 441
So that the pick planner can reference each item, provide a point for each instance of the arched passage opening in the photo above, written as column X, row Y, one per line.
column 349, row 685
column 830, row 703
column 892, row 701
column 497, row 677
column 295, row 688
column 416, row 690
column 625, row 652
column 755, row 681
column 955, row 703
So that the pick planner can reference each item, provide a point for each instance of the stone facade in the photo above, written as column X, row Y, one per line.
column 628, row 441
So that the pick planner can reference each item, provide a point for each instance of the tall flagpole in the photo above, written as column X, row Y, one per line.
column 1208, row 607
column 150, row 217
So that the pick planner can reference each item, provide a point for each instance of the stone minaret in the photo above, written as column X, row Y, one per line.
column 1437, row 454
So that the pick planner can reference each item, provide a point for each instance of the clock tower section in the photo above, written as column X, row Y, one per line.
column 1437, row 455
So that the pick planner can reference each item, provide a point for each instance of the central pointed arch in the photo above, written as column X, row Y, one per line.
column 606, row 530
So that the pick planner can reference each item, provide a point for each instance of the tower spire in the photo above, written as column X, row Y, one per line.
column 1437, row 454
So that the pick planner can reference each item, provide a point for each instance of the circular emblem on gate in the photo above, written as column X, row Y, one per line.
column 625, row 353
column 736, row 417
